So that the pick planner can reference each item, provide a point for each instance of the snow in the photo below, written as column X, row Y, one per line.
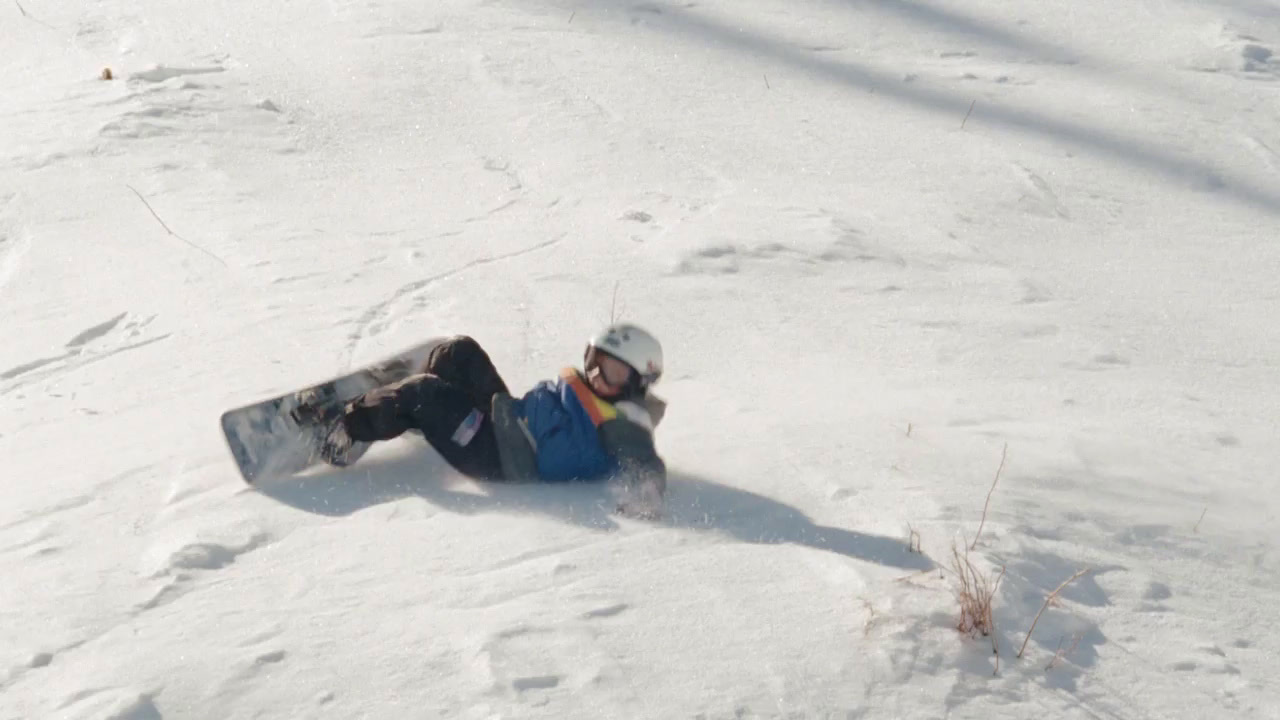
column 882, row 242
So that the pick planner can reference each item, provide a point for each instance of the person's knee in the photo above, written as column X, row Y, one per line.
column 448, row 352
column 458, row 346
column 464, row 343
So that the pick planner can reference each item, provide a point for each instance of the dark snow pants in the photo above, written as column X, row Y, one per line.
column 448, row 401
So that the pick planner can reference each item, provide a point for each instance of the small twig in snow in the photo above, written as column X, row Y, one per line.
column 171, row 232
column 575, row 12
column 28, row 16
column 995, row 645
column 614, row 305
column 1052, row 595
column 1196, row 529
column 1060, row 654
column 908, row 429
column 766, row 81
column 914, row 575
column 966, row 115
column 871, row 616
column 1003, row 454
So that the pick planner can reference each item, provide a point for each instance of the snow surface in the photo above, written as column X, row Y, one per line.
column 880, row 239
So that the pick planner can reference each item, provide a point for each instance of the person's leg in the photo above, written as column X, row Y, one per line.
column 461, row 361
column 442, row 411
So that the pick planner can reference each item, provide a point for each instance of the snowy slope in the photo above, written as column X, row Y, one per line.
column 881, row 241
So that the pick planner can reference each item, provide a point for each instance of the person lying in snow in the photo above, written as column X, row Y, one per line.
column 593, row 424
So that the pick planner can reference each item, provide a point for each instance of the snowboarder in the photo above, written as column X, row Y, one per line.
column 592, row 424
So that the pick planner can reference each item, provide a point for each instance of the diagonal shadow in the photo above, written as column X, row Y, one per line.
column 1101, row 143
column 1034, row 50
column 696, row 503
column 1042, row 51
column 954, row 23
column 1259, row 9
column 693, row 504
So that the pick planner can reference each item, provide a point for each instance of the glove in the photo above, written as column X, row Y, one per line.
column 335, row 448
column 640, row 495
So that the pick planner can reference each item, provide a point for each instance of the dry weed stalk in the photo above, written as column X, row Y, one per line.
column 975, row 594
column 1052, row 596
column 1003, row 454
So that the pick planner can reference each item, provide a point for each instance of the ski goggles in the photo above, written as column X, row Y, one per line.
column 618, row 375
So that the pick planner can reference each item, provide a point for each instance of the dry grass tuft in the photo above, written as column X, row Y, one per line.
column 975, row 594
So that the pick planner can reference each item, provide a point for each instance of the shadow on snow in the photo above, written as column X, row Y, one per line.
column 693, row 503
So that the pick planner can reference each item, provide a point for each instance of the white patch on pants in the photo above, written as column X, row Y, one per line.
column 468, row 428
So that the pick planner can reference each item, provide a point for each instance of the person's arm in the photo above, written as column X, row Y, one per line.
column 629, row 439
column 657, row 408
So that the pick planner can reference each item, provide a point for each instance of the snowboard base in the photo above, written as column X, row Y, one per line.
column 266, row 441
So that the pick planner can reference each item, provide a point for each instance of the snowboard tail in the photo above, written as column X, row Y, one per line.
column 282, row 435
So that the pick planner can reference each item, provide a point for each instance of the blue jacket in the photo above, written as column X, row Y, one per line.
column 579, row 436
column 564, row 429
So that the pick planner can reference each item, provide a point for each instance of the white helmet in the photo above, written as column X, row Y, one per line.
column 633, row 345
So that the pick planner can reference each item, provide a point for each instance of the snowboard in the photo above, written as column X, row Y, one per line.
column 281, row 436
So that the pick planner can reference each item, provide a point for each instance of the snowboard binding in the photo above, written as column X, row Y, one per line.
column 317, row 406
column 320, row 409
